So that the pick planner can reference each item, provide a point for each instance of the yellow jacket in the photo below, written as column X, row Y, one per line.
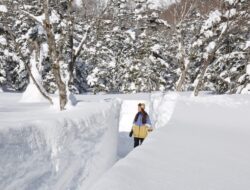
column 140, row 132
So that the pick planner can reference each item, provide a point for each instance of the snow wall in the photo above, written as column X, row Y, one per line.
column 68, row 151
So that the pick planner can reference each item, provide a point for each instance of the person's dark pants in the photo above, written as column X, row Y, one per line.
column 137, row 141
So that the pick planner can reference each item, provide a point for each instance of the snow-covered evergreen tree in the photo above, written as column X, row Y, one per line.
column 134, row 47
column 125, row 46
column 13, row 71
column 221, row 44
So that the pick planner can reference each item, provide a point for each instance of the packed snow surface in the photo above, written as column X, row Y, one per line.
column 204, row 145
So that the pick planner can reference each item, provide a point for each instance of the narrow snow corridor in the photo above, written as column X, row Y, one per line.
column 157, row 103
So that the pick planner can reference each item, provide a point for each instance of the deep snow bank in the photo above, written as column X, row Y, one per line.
column 204, row 145
column 44, row 149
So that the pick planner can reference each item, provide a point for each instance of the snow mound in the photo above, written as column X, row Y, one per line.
column 32, row 95
column 204, row 145
column 43, row 149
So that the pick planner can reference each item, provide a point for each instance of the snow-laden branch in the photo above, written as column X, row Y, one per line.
column 33, row 17
column 78, row 49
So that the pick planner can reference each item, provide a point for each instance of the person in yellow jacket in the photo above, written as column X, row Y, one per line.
column 141, row 125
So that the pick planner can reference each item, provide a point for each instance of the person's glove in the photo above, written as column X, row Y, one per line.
column 150, row 129
column 131, row 133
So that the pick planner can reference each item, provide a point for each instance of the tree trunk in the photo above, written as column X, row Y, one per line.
column 181, row 80
column 202, row 74
column 60, row 84
column 200, row 80
column 55, row 58
column 181, row 62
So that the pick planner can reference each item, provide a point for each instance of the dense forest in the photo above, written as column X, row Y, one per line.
column 122, row 46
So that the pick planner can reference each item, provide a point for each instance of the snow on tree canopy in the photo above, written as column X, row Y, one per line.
column 247, row 44
column 3, row 40
column 132, row 34
column 3, row 9
column 214, row 17
column 77, row 3
column 231, row 2
column 211, row 47
column 131, row 48
column 248, row 70
column 230, row 13
column 158, row 4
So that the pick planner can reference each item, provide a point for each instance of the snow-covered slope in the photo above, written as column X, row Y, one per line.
column 41, row 148
column 204, row 145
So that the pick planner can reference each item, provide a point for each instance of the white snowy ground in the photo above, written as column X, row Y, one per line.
column 202, row 143
column 199, row 143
